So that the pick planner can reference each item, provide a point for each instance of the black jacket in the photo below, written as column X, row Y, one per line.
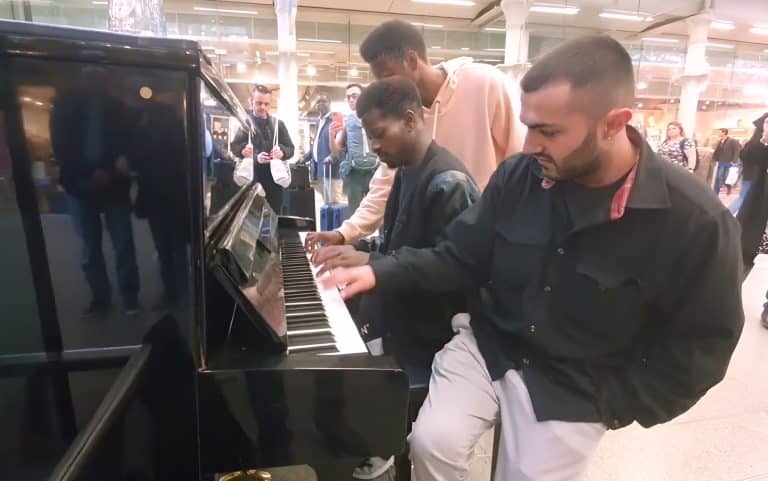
column 416, row 324
column 615, row 321
column 261, row 139
column 753, row 213
column 727, row 151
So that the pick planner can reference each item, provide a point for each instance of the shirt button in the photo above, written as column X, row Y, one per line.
column 560, row 251
column 532, row 328
column 547, row 289
column 525, row 361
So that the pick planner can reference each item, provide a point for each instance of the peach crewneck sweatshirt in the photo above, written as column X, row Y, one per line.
column 472, row 116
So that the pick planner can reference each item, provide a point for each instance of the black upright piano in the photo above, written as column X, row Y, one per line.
column 158, row 321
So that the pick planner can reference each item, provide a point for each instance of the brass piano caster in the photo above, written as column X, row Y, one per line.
column 249, row 475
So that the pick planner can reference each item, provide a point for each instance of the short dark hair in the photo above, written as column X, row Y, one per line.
column 725, row 131
column 392, row 40
column 598, row 65
column 354, row 85
column 392, row 96
column 262, row 89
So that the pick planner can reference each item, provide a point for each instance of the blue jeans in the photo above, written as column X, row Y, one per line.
column 736, row 205
column 87, row 219
column 720, row 175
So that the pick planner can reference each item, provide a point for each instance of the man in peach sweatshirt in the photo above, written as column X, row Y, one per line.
column 468, row 106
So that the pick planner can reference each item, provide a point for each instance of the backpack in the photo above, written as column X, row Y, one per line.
column 685, row 157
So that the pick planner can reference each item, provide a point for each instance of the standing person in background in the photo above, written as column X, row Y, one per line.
column 262, row 145
column 351, row 145
column 726, row 153
column 467, row 106
column 678, row 149
column 753, row 213
column 320, row 156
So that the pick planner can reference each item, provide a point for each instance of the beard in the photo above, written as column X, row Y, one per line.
column 583, row 161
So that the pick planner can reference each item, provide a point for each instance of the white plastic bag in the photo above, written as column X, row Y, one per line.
column 279, row 168
column 733, row 175
column 244, row 168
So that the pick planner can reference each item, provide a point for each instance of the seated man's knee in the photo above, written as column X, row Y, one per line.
column 435, row 439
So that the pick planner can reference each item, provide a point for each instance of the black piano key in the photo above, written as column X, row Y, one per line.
column 306, row 325
column 315, row 350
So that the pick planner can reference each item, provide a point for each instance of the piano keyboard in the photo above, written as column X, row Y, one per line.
column 318, row 320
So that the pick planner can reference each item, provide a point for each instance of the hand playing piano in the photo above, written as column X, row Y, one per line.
column 316, row 240
column 333, row 257
column 350, row 281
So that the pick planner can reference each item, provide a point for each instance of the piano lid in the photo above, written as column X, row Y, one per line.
column 246, row 260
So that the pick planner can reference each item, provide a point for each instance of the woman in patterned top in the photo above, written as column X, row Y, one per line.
column 677, row 149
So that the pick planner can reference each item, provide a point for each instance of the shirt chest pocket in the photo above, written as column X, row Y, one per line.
column 518, row 252
column 607, row 303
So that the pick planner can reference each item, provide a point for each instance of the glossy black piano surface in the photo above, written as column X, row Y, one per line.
column 109, row 183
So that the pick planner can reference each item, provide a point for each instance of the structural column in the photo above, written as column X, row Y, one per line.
column 695, row 73
column 288, row 67
column 516, row 46
column 136, row 16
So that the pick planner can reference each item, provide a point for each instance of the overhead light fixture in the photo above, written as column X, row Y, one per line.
column 720, row 45
column 495, row 29
column 220, row 51
column 457, row 3
column 311, row 70
column 319, row 40
column 99, row 3
column 302, row 54
column 241, row 68
column 465, row 48
column 556, row 9
column 759, row 30
column 493, row 49
column 354, row 72
column 722, row 25
column 426, row 25
column 225, row 10
column 436, row 47
column 640, row 105
column 641, row 85
column 660, row 40
column 625, row 15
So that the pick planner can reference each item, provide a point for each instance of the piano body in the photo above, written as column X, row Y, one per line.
column 211, row 348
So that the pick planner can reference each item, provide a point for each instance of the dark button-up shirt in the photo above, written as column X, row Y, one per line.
column 623, row 320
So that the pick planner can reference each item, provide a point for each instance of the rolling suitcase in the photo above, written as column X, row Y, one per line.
column 332, row 216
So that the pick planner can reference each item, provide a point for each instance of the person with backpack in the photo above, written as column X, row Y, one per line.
column 726, row 155
column 351, row 145
column 678, row 149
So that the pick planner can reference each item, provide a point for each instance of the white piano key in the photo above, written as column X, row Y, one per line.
column 348, row 340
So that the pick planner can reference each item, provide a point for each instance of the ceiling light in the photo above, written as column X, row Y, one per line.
column 458, row 3
column 436, row 47
column 641, row 85
column 225, row 10
column 302, row 54
column 220, row 51
column 719, row 45
column 495, row 29
column 640, row 105
column 311, row 70
column 494, row 49
column 558, row 9
column 353, row 72
column 426, row 25
column 624, row 15
column 99, row 3
column 241, row 67
column 660, row 40
column 759, row 30
column 319, row 40
column 722, row 25
column 465, row 48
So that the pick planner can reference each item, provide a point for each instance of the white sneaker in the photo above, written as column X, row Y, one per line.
column 372, row 468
